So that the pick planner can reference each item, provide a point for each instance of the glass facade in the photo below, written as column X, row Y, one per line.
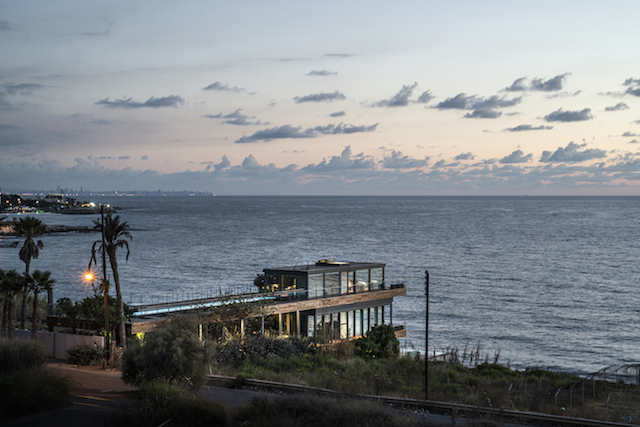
column 331, row 284
column 344, row 324
column 316, row 286
column 362, row 280
column 339, row 319
column 377, row 278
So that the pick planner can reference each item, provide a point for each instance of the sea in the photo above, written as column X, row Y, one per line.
column 548, row 282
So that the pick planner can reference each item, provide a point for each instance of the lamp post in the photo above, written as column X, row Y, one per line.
column 426, row 336
column 91, row 278
column 105, row 285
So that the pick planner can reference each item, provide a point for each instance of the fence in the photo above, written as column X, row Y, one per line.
column 58, row 343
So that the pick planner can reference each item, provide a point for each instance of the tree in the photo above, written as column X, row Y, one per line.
column 172, row 354
column 379, row 343
column 41, row 281
column 89, row 312
column 10, row 282
column 28, row 227
column 115, row 235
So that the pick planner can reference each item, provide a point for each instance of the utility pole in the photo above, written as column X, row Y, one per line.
column 426, row 336
column 105, row 287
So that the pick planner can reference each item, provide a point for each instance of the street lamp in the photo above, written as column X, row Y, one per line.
column 426, row 336
column 90, row 278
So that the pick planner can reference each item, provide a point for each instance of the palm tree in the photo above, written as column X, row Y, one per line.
column 29, row 227
column 41, row 281
column 10, row 283
column 115, row 235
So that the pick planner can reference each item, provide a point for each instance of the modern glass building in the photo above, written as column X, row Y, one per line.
column 332, row 300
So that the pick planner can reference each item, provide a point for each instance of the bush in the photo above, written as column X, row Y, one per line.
column 258, row 347
column 380, row 342
column 314, row 411
column 19, row 354
column 29, row 390
column 173, row 355
column 83, row 354
column 155, row 410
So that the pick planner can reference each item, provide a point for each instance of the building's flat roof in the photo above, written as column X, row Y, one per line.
column 317, row 268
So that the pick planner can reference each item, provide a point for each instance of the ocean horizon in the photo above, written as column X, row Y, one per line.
column 546, row 281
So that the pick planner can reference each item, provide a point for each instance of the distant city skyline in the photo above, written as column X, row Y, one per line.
column 329, row 98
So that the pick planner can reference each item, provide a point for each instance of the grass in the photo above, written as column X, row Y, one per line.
column 160, row 402
column 484, row 383
column 27, row 386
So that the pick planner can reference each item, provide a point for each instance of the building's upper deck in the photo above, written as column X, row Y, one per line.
column 324, row 266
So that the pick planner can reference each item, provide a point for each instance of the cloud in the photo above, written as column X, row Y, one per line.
column 124, row 157
column 465, row 156
column 572, row 153
column 540, row 85
column 483, row 114
column 168, row 101
column 397, row 161
column 320, row 97
column 6, row 26
column 425, row 97
column 338, row 55
column 235, row 118
column 483, row 108
column 516, row 157
column 346, row 161
column 634, row 141
column 564, row 94
column 219, row 87
column 459, row 102
column 97, row 33
column 631, row 82
column 250, row 162
column 102, row 122
column 524, row 128
column 569, row 116
column 144, row 157
column 400, row 99
column 338, row 114
column 442, row 164
column 619, row 106
column 519, row 85
column 635, row 91
column 321, row 73
column 224, row 164
column 22, row 89
column 550, row 85
column 14, row 137
column 630, row 134
column 291, row 132
column 4, row 104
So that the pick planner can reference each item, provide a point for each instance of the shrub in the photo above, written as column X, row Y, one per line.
column 83, row 354
column 158, row 390
column 29, row 390
column 183, row 411
column 18, row 354
column 315, row 411
column 172, row 354
column 380, row 342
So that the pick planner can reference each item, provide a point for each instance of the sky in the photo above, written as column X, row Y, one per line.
column 321, row 98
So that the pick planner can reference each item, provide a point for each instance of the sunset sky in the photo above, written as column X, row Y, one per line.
column 299, row 97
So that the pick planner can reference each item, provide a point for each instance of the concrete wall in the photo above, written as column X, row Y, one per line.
column 58, row 343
